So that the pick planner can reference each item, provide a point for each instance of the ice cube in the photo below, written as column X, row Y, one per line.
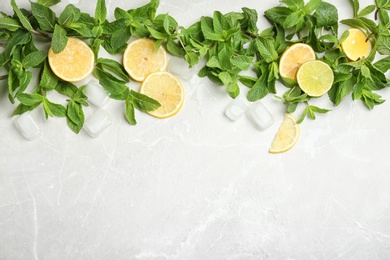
column 236, row 108
column 180, row 68
column 96, row 94
column 27, row 126
column 259, row 116
column 97, row 122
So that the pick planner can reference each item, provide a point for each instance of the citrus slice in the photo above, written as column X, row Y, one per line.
column 315, row 78
column 287, row 135
column 356, row 45
column 293, row 57
column 140, row 59
column 167, row 90
column 74, row 63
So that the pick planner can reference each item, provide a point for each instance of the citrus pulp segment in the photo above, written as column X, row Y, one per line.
column 315, row 78
column 356, row 45
column 287, row 135
column 293, row 57
column 167, row 90
column 140, row 59
column 74, row 63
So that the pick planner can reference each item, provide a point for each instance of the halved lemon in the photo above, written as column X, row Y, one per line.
column 293, row 57
column 357, row 45
column 140, row 59
column 287, row 135
column 166, row 89
column 74, row 63
column 315, row 78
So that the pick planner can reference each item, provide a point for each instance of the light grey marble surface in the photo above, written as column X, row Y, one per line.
column 197, row 186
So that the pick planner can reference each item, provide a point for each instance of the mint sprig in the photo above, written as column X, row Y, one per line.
column 230, row 44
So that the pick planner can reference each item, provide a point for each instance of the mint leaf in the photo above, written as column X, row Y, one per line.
column 45, row 16
column 310, row 112
column 266, row 49
column 311, row 6
column 326, row 15
column 60, row 39
column 9, row 24
column 278, row 14
column 75, row 116
column 48, row 80
column 34, row 59
column 116, row 90
column 114, row 67
column 101, row 11
column 294, row 5
column 129, row 112
column 69, row 15
column 52, row 109
column 48, row 2
column 143, row 102
column 383, row 44
column 22, row 18
column 30, row 99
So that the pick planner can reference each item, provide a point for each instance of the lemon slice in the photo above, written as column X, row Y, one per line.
column 315, row 78
column 140, row 59
column 287, row 135
column 167, row 90
column 74, row 63
column 356, row 45
column 293, row 57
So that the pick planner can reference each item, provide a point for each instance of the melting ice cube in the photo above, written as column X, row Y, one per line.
column 97, row 122
column 96, row 94
column 236, row 108
column 180, row 68
column 27, row 126
column 259, row 116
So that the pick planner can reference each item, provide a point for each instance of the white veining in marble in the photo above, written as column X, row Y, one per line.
column 197, row 185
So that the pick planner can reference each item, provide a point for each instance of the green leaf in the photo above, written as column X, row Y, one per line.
column 22, row 18
column 52, row 109
column 143, row 102
column 220, row 23
column 367, row 10
column 249, row 22
column 356, row 7
column 116, row 90
column 175, row 48
column 115, row 67
column 147, row 11
column 75, row 116
column 225, row 52
column 258, row 90
column 66, row 88
column 69, row 15
column 383, row 44
column 101, row 11
column 247, row 81
column 381, row 3
column 278, row 14
column 310, row 112
column 34, row 59
column 30, row 99
column 294, row 19
column 311, row 6
column 294, row 5
column 129, row 113
column 206, row 24
column 383, row 65
column 48, row 2
column 110, row 28
column 45, row 16
column 326, row 15
column 59, row 40
column 24, row 81
column 9, row 24
column 20, row 109
column 119, row 39
column 48, row 80
column 266, row 49
column 242, row 62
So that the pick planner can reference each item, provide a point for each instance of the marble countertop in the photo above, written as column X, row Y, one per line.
column 197, row 185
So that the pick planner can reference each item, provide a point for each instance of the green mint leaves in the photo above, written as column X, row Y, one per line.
column 230, row 44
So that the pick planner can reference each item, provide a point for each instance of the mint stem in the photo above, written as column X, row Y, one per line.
column 3, row 77
column 3, row 45
column 44, row 35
